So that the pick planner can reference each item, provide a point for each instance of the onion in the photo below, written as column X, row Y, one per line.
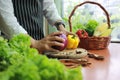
column 65, row 43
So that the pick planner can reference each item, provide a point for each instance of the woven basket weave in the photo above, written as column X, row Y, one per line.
column 92, row 42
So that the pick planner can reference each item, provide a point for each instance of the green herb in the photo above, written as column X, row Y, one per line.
column 20, row 62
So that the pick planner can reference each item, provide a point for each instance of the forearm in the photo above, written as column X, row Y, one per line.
column 33, row 43
column 8, row 22
column 50, row 12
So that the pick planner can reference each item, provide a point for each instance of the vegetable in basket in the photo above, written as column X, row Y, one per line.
column 82, row 33
column 91, row 26
column 106, row 33
column 73, row 42
column 102, row 30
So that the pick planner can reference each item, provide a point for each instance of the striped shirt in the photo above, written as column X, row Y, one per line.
column 21, row 16
column 29, row 15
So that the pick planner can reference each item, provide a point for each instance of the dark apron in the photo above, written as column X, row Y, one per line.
column 30, row 16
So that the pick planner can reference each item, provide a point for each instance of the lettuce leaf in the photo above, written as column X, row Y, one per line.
column 20, row 62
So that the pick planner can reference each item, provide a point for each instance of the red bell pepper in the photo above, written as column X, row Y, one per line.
column 82, row 33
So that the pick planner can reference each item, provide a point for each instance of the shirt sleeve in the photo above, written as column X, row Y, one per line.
column 8, row 22
column 50, row 11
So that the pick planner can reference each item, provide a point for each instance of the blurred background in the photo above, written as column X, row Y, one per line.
column 89, row 11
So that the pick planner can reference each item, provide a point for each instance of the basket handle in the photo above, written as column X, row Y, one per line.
column 107, row 15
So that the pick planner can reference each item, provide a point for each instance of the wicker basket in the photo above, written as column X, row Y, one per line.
column 92, row 42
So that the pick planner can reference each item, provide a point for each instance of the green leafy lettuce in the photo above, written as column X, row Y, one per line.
column 20, row 62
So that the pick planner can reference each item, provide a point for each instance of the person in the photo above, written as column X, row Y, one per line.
column 26, row 16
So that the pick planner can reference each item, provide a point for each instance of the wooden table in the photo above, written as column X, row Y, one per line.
column 108, row 69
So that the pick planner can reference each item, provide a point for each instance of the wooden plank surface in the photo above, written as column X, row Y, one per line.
column 108, row 69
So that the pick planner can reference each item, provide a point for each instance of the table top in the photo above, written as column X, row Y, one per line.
column 108, row 69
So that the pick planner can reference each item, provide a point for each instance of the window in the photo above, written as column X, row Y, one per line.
column 89, row 11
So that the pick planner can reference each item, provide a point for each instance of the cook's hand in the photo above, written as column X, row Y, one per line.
column 62, row 28
column 47, row 43
column 67, row 32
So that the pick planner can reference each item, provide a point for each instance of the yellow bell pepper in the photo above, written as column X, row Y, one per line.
column 73, row 42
